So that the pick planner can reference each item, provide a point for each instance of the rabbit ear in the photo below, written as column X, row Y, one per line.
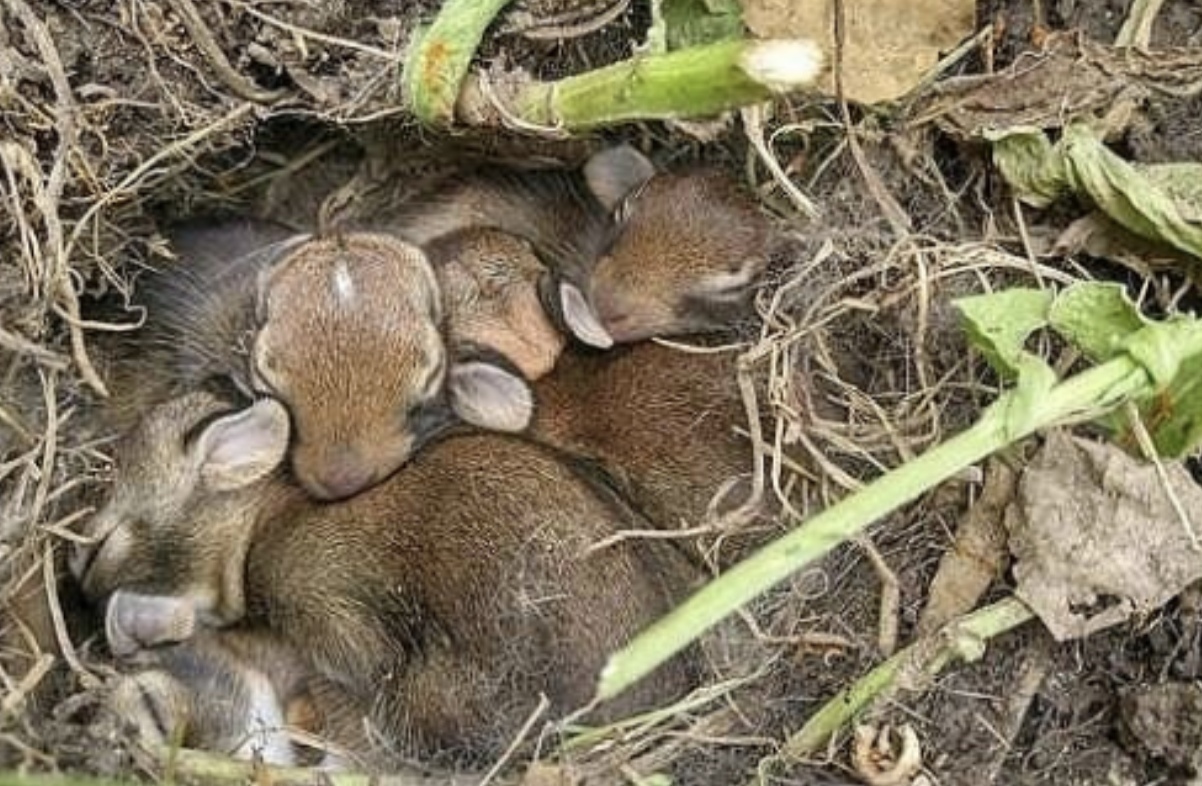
column 133, row 621
column 488, row 396
column 615, row 173
column 581, row 318
column 239, row 449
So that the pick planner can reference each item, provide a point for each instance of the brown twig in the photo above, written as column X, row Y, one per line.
column 16, row 696
column 565, row 25
column 49, row 446
column 131, row 181
column 303, row 32
column 890, row 602
column 48, row 194
column 202, row 36
column 1137, row 28
column 541, row 709
column 622, row 536
column 62, row 636
column 898, row 219
column 753, row 128
column 20, row 345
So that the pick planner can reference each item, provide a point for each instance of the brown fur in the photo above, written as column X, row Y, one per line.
column 490, row 284
column 556, row 210
column 688, row 259
column 568, row 218
column 442, row 601
column 350, row 341
column 231, row 691
column 344, row 330
column 200, row 315
column 661, row 422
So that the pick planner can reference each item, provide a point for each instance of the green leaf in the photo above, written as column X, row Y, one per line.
column 1141, row 203
column 1157, row 348
column 1096, row 317
column 1158, row 202
column 1099, row 319
column 1174, row 417
column 998, row 324
column 1182, row 181
column 1103, row 322
column 1171, row 353
column 696, row 22
column 1033, row 168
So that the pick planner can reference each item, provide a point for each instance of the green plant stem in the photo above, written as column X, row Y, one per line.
column 1099, row 388
column 440, row 54
column 960, row 640
column 696, row 82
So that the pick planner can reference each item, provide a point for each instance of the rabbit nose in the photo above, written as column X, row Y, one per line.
column 615, row 316
column 343, row 480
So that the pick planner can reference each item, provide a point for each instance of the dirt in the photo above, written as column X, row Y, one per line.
column 1119, row 707
column 1161, row 722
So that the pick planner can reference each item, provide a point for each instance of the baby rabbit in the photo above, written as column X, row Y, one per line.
column 688, row 259
column 571, row 218
column 660, row 422
column 229, row 691
column 346, row 331
column 441, row 602
column 490, row 285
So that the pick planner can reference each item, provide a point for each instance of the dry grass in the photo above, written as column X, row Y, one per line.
column 856, row 367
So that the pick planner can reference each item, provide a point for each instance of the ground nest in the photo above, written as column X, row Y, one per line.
column 119, row 117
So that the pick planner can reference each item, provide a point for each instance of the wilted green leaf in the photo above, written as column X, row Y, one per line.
column 1032, row 167
column 1102, row 322
column 1096, row 317
column 688, row 23
column 1182, row 181
column 1158, row 348
column 1161, row 202
column 1172, row 414
column 1174, row 417
column 1127, row 194
column 998, row 324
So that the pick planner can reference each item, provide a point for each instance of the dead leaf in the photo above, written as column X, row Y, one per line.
column 1073, row 77
column 1096, row 538
column 889, row 46
column 1099, row 236
column 977, row 557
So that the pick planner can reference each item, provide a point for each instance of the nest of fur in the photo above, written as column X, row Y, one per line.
column 122, row 115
